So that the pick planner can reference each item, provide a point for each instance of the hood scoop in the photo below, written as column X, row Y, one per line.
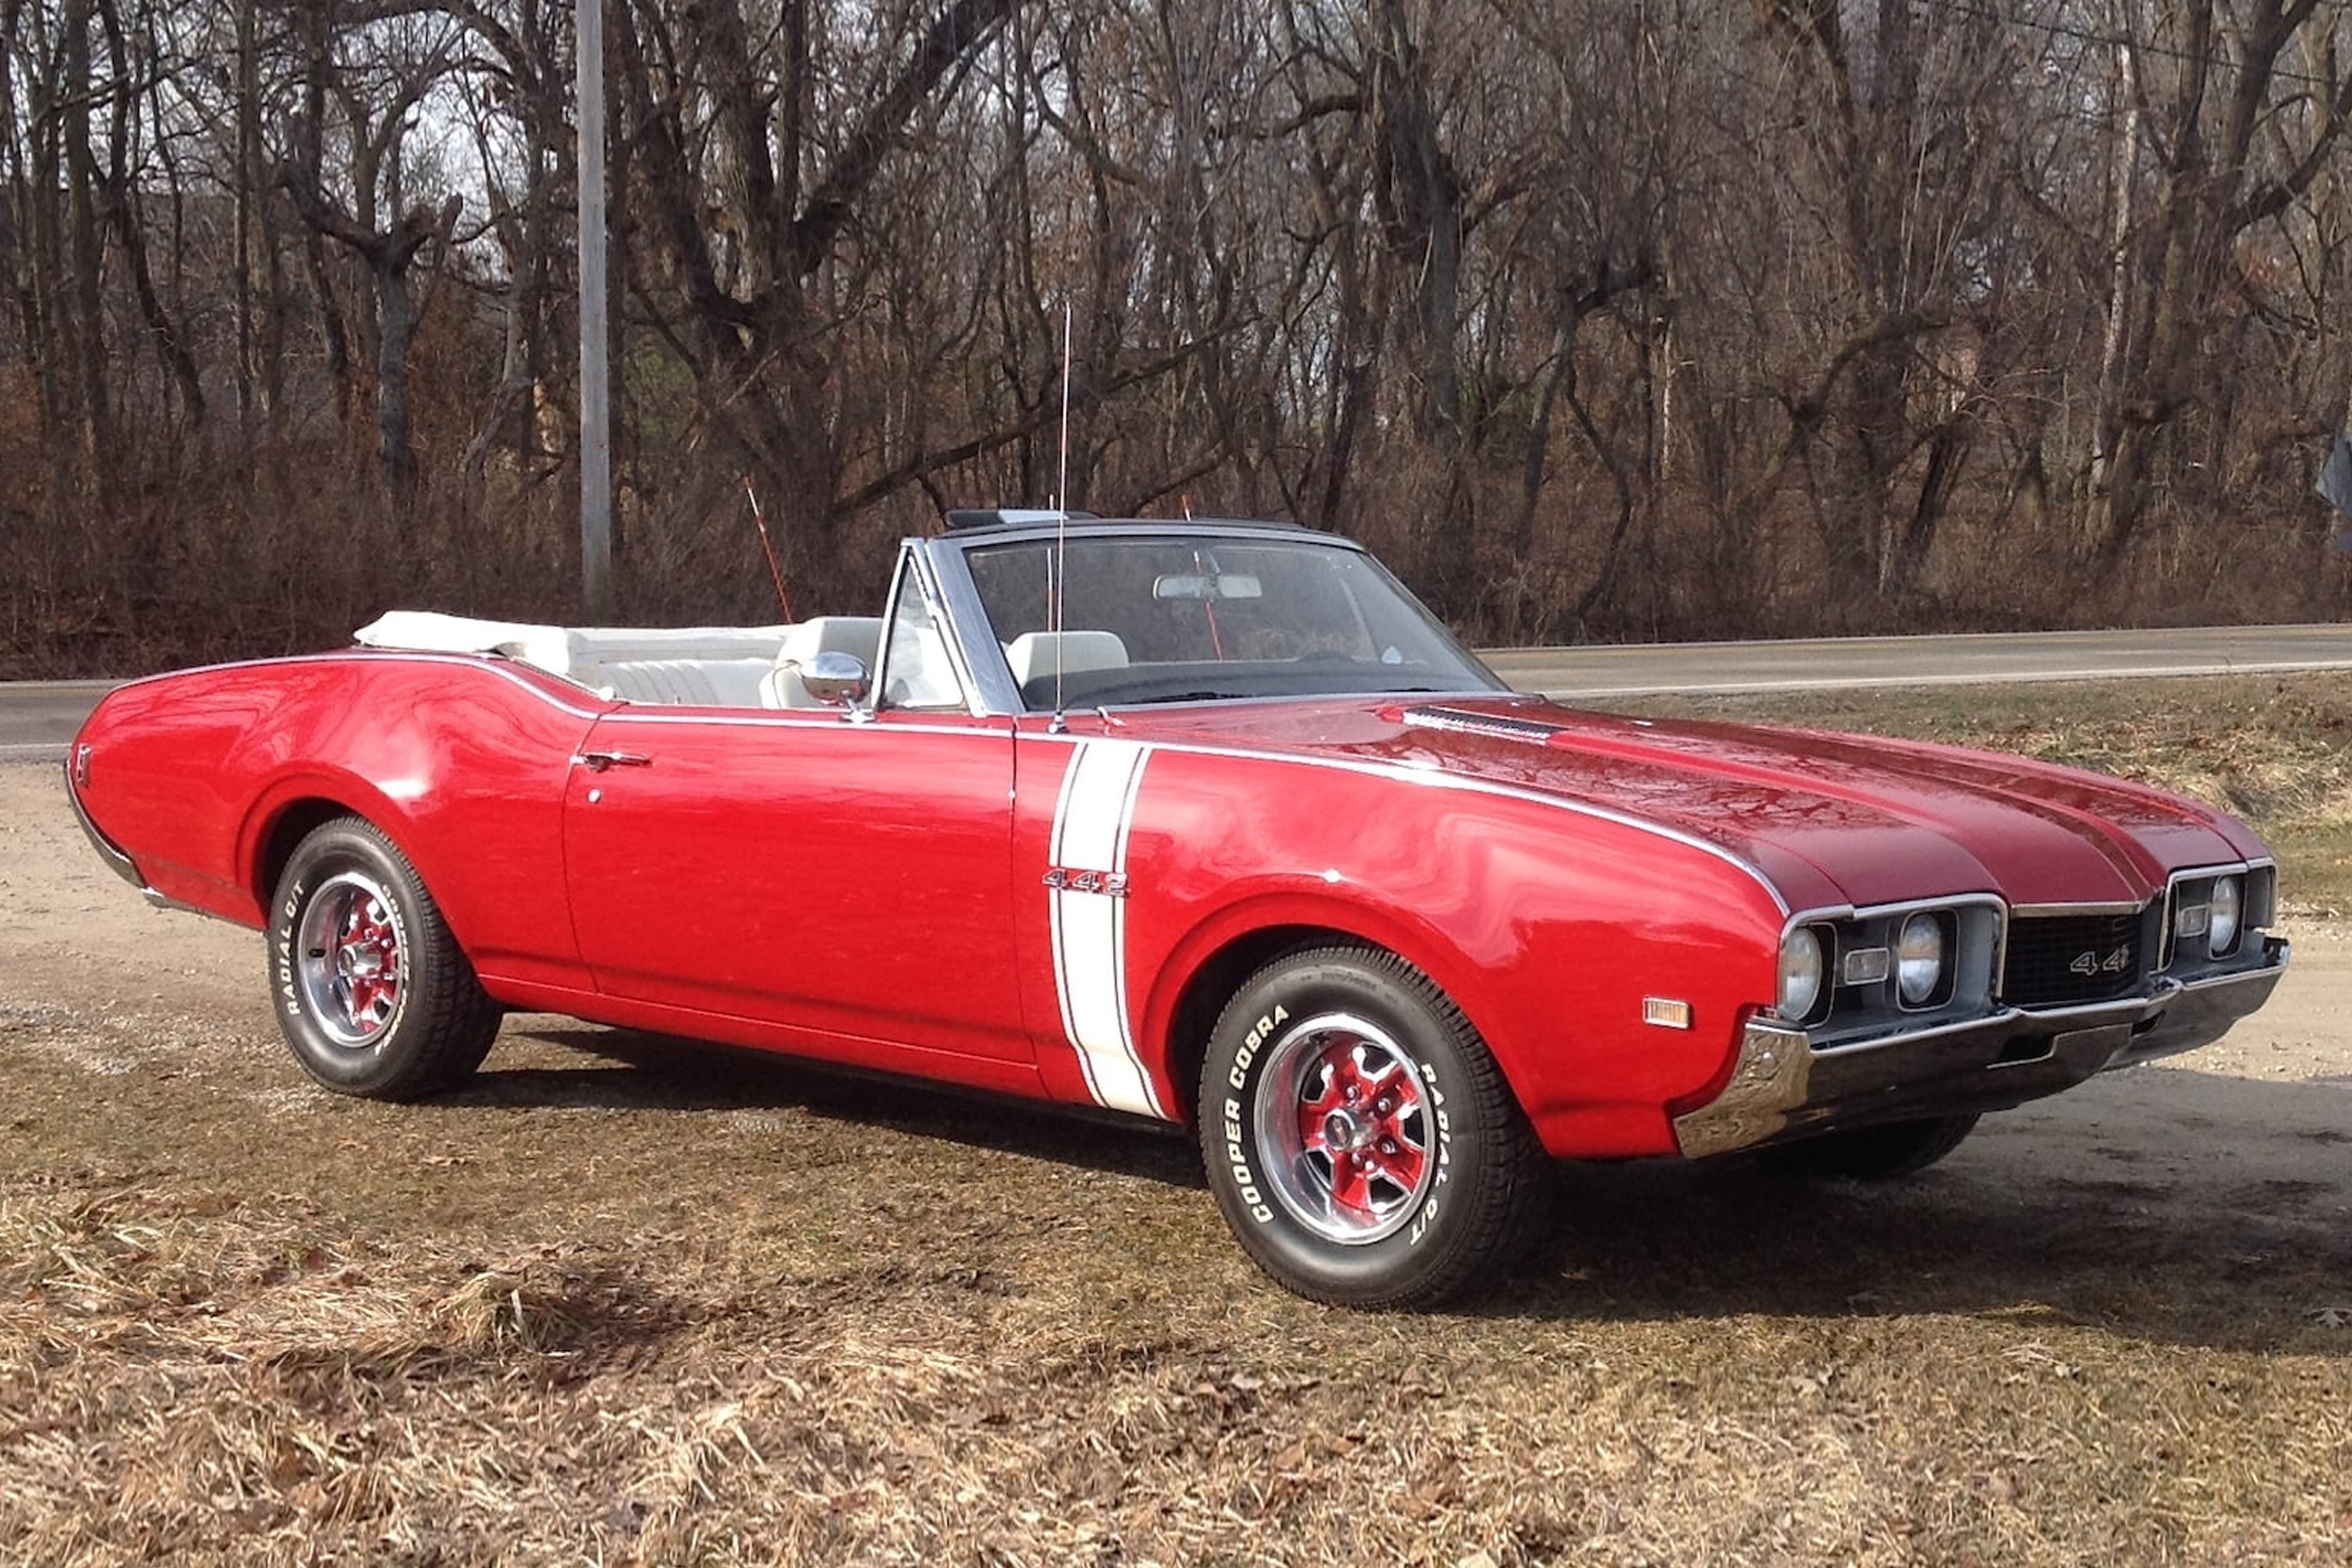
column 1463, row 720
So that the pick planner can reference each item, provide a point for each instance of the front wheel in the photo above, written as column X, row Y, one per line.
column 1360, row 1140
column 1881, row 1153
column 373, row 992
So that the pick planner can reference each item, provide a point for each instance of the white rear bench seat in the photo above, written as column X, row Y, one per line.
column 708, row 682
column 707, row 666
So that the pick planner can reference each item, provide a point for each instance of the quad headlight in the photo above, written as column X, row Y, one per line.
column 1866, row 969
column 2223, row 909
column 1920, row 954
column 2210, row 916
column 1801, row 967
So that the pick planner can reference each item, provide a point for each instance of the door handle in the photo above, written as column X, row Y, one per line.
column 596, row 761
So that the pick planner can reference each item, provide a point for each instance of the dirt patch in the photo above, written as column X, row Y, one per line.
column 630, row 1300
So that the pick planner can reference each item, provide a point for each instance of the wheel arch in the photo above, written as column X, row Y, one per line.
column 297, row 807
column 1211, row 964
column 1411, row 1176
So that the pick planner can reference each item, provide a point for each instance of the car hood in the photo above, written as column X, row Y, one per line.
column 1828, row 819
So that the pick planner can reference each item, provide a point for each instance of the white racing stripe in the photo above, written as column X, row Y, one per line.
column 1092, row 822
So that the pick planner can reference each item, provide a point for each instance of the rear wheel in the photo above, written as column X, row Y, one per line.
column 373, row 994
column 1882, row 1154
column 1360, row 1140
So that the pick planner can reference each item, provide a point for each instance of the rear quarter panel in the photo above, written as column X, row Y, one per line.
column 460, row 761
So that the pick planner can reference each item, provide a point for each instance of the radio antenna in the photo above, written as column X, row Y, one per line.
column 775, row 572
column 1061, row 519
column 1061, row 477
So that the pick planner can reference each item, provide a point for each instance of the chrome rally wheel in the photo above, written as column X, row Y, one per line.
column 373, row 994
column 1360, row 1138
column 348, row 957
column 1346, row 1128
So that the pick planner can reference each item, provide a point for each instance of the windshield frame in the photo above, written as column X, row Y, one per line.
column 971, row 626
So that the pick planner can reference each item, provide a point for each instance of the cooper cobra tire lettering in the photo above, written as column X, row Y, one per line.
column 1359, row 1137
column 1249, row 1051
column 1244, row 1182
column 1260, row 1211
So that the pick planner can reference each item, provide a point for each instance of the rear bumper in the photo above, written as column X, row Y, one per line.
column 117, row 862
column 1783, row 1087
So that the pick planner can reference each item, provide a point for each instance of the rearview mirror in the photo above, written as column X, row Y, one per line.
column 1202, row 587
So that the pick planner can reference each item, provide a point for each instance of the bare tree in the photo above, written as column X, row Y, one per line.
column 1598, row 317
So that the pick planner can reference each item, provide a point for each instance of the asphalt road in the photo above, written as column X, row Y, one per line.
column 39, row 717
column 1641, row 670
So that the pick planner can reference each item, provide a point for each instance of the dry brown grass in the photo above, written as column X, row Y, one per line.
column 628, row 1301
column 677, row 1306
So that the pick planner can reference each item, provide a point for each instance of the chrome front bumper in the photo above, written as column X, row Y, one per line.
column 1784, row 1086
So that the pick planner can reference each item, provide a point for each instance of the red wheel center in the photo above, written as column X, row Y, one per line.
column 367, row 959
column 1365, row 1120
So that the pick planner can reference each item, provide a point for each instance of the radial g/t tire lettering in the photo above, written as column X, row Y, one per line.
column 370, row 989
column 1360, row 1139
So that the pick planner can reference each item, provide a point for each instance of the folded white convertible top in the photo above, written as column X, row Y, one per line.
column 572, row 652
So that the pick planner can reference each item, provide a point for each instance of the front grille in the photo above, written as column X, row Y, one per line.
column 2073, row 957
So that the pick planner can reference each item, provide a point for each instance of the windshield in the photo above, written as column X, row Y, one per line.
column 1188, row 619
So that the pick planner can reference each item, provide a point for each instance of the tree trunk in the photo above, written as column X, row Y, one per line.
column 2106, row 419
column 87, row 245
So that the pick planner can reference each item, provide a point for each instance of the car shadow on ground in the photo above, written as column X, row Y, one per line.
column 2174, row 1206
column 637, row 1069
column 1653, row 1242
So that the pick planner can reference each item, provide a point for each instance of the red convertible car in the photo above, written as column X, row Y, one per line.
column 1207, row 823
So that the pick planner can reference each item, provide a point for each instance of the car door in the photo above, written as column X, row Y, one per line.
column 849, row 875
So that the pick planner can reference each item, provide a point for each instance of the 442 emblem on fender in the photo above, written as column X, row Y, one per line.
column 1111, row 884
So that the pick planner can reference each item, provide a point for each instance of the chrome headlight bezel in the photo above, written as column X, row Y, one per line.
column 1861, row 989
column 1803, row 989
column 1923, row 960
column 2225, row 909
column 2215, row 915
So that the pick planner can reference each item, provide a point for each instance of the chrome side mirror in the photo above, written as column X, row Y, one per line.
column 836, row 679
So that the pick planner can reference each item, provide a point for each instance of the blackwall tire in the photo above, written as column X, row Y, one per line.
column 1359, row 1136
column 1882, row 1154
column 370, row 989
